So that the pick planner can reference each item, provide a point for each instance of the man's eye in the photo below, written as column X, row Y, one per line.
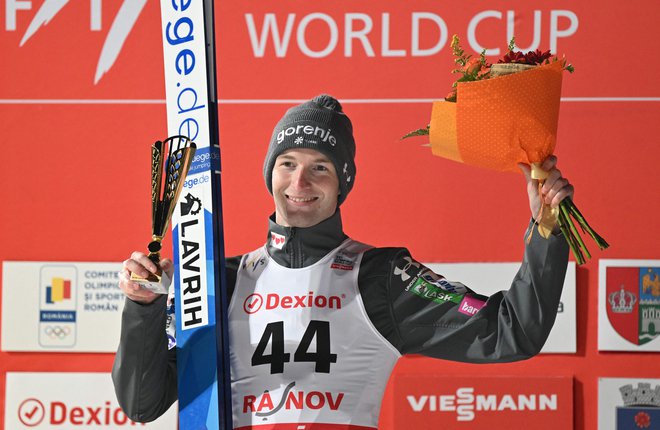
column 321, row 168
column 286, row 164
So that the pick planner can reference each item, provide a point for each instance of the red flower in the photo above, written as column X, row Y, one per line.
column 537, row 57
column 643, row 420
column 483, row 73
column 473, row 65
column 513, row 57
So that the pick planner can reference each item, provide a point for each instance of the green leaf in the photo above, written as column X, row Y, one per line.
column 418, row 132
column 482, row 57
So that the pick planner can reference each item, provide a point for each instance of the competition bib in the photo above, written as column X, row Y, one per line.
column 304, row 354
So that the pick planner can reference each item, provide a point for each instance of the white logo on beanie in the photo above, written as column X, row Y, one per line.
column 309, row 130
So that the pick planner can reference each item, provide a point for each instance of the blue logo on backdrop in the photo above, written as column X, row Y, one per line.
column 205, row 159
column 50, row 316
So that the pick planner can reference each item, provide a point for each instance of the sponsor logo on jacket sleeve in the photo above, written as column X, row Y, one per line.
column 470, row 305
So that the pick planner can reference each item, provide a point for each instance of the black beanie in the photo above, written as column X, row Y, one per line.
column 318, row 124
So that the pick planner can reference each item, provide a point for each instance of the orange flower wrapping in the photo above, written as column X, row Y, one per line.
column 499, row 122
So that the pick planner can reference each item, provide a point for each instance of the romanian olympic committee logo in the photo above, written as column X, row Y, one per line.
column 59, row 289
column 57, row 332
column 58, row 305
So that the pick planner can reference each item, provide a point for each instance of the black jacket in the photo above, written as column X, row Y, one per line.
column 513, row 325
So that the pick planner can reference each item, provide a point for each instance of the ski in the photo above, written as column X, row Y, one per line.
column 200, row 300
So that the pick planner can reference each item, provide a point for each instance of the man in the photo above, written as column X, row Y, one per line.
column 339, row 313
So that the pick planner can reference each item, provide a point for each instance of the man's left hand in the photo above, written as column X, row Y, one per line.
column 555, row 187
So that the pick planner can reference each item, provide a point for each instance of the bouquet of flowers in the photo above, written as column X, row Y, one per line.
column 499, row 115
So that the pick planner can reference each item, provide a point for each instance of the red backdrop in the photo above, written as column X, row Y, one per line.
column 74, row 177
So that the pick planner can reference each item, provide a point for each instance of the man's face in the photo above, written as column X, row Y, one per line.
column 305, row 188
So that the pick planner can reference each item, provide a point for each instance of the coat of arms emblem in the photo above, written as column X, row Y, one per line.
column 633, row 302
column 641, row 407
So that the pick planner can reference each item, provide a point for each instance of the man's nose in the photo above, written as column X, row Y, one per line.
column 301, row 178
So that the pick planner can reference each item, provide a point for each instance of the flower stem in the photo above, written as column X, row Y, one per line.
column 574, row 232
column 563, row 226
column 570, row 232
column 602, row 243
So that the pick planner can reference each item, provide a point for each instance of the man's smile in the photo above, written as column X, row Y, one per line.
column 301, row 199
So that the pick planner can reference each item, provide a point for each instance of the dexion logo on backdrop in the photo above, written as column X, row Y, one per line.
column 120, row 28
column 69, row 400
column 33, row 412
